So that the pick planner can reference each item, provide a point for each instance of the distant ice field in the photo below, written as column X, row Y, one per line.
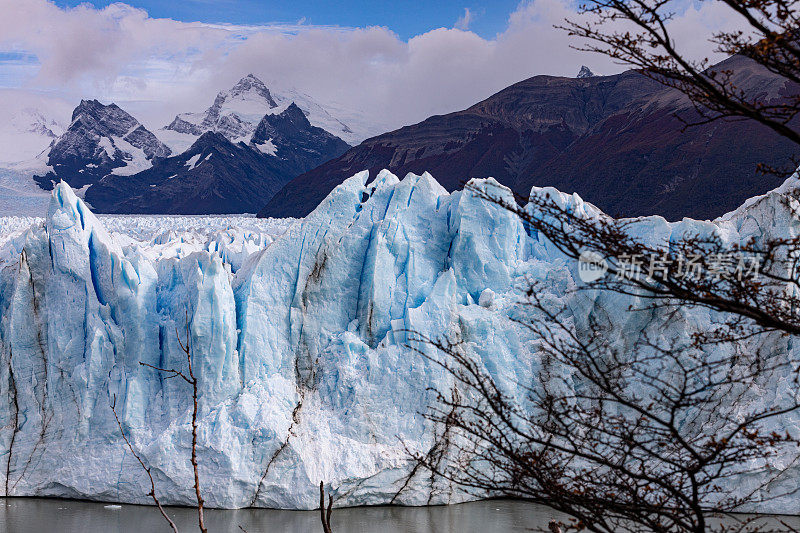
column 23, row 205
column 19, row 195
column 236, row 237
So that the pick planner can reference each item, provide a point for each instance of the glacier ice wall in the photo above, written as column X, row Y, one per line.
column 299, row 342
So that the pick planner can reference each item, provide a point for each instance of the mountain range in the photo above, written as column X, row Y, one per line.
column 216, row 175
column 236, row 113
column 229, row 159
column 619, row 141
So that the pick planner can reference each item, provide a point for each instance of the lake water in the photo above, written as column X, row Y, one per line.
column 40, row 515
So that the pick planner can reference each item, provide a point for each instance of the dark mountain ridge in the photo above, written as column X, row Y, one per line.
column 619, row 141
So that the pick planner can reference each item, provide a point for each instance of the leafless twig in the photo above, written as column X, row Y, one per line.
column 146, row 468
column 191, row 380
column 324, row 516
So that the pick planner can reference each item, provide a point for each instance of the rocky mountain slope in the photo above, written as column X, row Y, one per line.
column 619, row 141
column 218, row 176
column 100, row 140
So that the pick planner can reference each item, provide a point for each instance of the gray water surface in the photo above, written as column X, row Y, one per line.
column 40, row 515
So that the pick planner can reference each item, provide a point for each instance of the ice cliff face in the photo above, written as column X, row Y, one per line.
column 299, row 341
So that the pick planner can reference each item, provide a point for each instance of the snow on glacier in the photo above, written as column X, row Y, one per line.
column 299, row 338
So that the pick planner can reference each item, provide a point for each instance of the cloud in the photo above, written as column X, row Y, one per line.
column 159, row 67
column 464, row 20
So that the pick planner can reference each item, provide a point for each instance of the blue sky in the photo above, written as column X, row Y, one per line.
column 407, row 18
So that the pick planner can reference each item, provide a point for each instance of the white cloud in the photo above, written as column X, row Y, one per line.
column 464, row 20
column 159, row 67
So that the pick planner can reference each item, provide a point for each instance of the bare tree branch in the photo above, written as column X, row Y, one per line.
column 146, row 469
column 325, row 517
column 191, row 380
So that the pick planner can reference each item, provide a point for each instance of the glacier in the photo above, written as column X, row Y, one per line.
column 299, row 336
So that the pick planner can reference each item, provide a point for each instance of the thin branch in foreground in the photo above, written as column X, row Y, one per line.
column 324, row 516
column 648, row 437
column 152, row 492
column 191, row 380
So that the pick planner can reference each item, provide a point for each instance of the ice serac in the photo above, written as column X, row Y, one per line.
column 306, row 368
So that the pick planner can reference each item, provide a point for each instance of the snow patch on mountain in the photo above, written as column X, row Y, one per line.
column 136, row 160
column 177, row 141
column 192, row 161
column 267, row 147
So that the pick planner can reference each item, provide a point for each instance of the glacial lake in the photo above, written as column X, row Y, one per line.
column 42, row 515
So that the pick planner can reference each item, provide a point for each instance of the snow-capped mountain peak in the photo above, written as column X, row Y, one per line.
column 28, row 125
column 101, row 139
column 236, row 113
column 250, row 86
column 31, row 120
column 585, row 72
